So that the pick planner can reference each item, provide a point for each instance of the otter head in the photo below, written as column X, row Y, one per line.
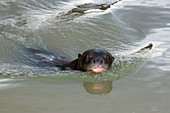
column 95, row 60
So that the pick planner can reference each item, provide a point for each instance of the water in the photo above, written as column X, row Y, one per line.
column 133, row 85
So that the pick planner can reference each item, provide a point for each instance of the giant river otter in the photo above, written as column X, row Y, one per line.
column 94, row 60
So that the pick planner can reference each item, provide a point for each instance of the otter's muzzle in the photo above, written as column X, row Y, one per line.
column 97, row 65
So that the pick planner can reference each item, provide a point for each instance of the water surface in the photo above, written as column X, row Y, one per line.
column 133, row 85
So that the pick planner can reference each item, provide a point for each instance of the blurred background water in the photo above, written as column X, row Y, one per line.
column 69, row 27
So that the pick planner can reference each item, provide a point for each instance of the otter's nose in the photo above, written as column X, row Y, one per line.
column 98, row 61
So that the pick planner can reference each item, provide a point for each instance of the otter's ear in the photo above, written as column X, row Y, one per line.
column 79, row 55
column 113, row 58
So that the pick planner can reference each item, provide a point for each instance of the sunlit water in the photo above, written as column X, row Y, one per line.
column 134, row 84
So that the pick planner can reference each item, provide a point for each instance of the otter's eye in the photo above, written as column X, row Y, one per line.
column 89, row 57
column 106, row 57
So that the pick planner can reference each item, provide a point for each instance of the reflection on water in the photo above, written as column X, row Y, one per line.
column 95, row 88
column 98, row 87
